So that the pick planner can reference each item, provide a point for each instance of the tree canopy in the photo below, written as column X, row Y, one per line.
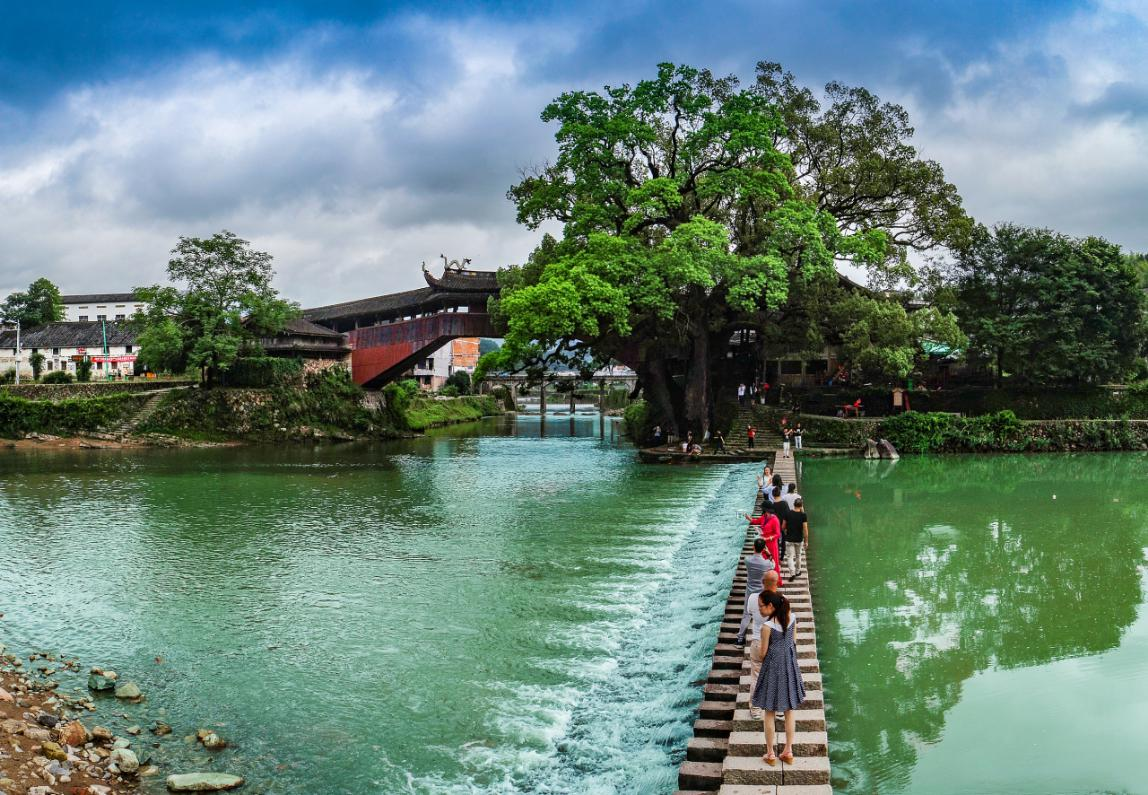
column 684, row 218
column 1047, row 308
column 39, row 304
column 226, row 302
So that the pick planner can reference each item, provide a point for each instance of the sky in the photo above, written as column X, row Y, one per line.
column 355, row 140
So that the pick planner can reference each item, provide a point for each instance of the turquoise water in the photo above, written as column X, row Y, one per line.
column 981, row 622
column 482, row 610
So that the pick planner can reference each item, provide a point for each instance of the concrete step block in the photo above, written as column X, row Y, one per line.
column 704, row 727
column 808, row 720
column 720, row 692
column 724, row 676
column 804, row 789
column 752, row 743
column 748, row 789
column 707, row 749
column 716, row 710
column 750, row 770
column 805, row 770
column 814, row 699
column 735, row 661
column 700, row 775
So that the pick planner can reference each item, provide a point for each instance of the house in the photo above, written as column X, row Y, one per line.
column 318, row 346
column 101, row 306
column 65, row 344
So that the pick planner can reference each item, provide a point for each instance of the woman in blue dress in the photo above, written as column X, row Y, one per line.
column 779, row 687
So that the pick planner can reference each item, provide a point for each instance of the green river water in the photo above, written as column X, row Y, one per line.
column 493, row 610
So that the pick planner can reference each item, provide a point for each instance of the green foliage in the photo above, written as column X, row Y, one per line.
column 19, row 416
column 226, row 304
column 263, row 371
column 450, row 390
column 40, row 304
column 1049, row 309
column 8, row 376
column 423, row 413
column 58, row 377
column 638, row 423
column 84, row 370
column 460, row 380
column 398, row 396
column 37, row 360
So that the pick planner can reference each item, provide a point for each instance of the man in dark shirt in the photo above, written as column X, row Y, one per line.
column 796, row 536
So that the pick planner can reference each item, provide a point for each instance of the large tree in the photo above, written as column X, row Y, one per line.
column 681, row 219
column 38, row 305
column 685, row 219
column 1047, row 308
column 224, row 304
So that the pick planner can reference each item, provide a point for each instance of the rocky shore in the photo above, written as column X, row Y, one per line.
column 52, row 743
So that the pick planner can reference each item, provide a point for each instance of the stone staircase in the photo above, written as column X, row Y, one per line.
column 768, row 438
column 128, row 425
column 724, row 755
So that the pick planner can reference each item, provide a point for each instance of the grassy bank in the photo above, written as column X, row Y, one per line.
column 423, row 413
column 19, row 416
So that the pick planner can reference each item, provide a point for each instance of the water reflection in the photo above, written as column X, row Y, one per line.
column 932, row 570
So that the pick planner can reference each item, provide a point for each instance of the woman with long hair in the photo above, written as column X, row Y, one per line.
column 779, row 687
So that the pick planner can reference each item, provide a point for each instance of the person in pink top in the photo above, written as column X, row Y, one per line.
column 770, row 531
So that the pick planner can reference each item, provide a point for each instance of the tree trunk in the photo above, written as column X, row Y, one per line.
column 655, row 381
column 698, row 382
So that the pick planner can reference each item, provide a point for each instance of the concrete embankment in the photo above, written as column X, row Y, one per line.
column 725, row 754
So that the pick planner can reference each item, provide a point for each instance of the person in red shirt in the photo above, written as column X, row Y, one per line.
column 770, row 531
column 750, row 432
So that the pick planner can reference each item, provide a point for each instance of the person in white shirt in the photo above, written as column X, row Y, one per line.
column 791, row 496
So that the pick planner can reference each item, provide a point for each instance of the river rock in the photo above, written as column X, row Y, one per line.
column 121, row 742
column 133, row 730
column 74, row 734
column 53, row 751
column 11, row 726
column 129, row 691
column 203, row 782
column 47, row 721
column 125, row 759
column 36, row 734
column 6, row 696
column 102, row 734
column 160, row 729
column 99, row 682
column 213, row 742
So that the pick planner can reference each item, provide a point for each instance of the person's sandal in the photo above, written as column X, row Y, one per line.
column 787, row 757
column 770, row 758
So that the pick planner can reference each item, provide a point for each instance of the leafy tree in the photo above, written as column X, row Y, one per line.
column 84, row 370
column 225, row 304
column 460, row 380
column 37, row 360
column 853, row 159
column 1048, row 308
column 681, row 220
column 884, row 340
column 40, row 304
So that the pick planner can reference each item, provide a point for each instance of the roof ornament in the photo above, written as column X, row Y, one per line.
column 452, row 265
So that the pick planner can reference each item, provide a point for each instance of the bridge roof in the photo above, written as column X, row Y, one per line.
column 459, row 280
column 424, row 298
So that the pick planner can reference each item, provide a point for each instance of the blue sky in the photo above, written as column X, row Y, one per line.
column 354, row 140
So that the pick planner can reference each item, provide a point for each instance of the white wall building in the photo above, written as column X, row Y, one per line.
column 101, row 306
column 65, row 344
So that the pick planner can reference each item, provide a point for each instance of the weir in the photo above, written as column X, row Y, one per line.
column 724, row 755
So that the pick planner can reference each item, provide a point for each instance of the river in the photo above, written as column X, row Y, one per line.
column 486, row 609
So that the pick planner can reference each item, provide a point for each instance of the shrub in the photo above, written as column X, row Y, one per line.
column 58, row 377
column 638, row 423
column 8, row 377
column 460, row 380
column 263, row 371
column 450, row 390
column 84, row 370
column 74, row 415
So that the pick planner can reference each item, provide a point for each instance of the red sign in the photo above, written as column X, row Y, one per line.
column 130, row 357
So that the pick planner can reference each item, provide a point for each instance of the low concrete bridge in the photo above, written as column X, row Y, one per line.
column 390, row 333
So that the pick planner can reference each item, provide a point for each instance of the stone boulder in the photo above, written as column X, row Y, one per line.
column 129, row 691
column 203, row 782
column 74, row 734
column 125, row 760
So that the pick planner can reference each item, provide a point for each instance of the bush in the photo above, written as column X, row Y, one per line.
column 58, row 377
column 637, row 422
column 8, row 377
column 460, row 380
column 19, row 416
column 423, row 413
column 450, row 390
column 84, row 370
column 260, row 372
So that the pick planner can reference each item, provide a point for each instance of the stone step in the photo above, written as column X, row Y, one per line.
column 808, row 720
column 724, row 676
column 804, row 770
column 708, row 749
column 734, row 661
column 704, row 727
column 752, row 743
column 814, row 699
column 720, row 692
column 716, row 710
column 700, row 775
column 771, row 789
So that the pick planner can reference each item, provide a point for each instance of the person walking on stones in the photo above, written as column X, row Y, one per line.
column 781, row 510
column 779, row 687
column 741, row 394
column 757, row 620
column 765, row 481
column 796, row 536
column 756, row 565
column 786, row 436
column 770, row 531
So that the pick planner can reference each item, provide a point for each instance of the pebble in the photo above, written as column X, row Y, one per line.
column 203, row 782
column 125, row 760
column 129, row 691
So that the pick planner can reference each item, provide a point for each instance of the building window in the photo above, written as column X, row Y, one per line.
column 48, row 364
column 127, row 349
column 791, row 368
column 121, row 317
column 119, row 306
column 83, row 318
column 101, row 317
column 55, row 351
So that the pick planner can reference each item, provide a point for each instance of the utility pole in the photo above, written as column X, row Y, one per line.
column 17, row 353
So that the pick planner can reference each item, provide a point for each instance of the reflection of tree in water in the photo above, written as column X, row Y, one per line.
column 945, row 567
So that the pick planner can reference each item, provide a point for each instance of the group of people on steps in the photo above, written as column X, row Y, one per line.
column 777, row 685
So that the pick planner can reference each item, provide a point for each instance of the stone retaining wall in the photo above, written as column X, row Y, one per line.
column 86, row 390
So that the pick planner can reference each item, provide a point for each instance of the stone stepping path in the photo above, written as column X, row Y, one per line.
column 724, row 755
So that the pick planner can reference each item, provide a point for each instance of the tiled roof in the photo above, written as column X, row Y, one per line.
column 464, row 281
column 424, row 298
column 87, row 334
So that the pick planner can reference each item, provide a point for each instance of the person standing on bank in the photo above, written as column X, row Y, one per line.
column 786, row 435
column 779, row 687
column 797, row 437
